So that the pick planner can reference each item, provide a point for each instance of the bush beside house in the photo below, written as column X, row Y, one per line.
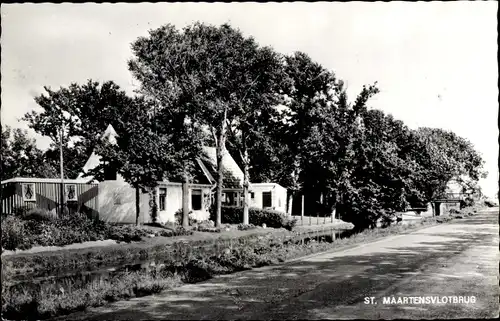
column 258, row 217
column 40, row 228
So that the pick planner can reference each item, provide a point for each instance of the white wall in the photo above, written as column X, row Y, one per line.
column 116, row 201
column 278, row 195
column 174, row 203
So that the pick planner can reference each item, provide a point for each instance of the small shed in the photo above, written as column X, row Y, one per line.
column 268, row 195
column 45, row 193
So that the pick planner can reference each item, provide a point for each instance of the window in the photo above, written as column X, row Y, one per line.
column 266, row 199
column 163, row 199
column 252, row 195
column 231, row 199
column 29, row 192
column 70, row 192
column 196, row 199
column 117, row 198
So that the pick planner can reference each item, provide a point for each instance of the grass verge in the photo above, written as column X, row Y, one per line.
column 45, row 304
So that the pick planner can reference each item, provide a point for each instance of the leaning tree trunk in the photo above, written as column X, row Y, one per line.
column 137, row 205
column 221, row 146
column 290, row 202
column 246, row 185
column 185, row 200
column 218, row 191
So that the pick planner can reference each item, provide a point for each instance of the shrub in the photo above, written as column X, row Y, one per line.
column 454, row 211
column 290, row 223
column 244, row 227
column 39, row 229
column 126, row 233
column 467, row 202
column 490, row 203
column 20, row 210
column 39, row 214
column 178, row 217
column 179, row 230
column 14, row 234
column 272, row 218
column 206, row 226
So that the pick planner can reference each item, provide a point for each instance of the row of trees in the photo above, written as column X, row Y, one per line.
column 286, row 118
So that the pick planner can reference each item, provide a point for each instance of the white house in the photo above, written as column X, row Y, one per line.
column 116, row 199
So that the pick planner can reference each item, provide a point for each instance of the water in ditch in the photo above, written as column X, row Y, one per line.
column 81, row 279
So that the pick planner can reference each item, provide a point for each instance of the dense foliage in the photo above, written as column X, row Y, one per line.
column 82, row 112
column 22, row 158
column 41, row 228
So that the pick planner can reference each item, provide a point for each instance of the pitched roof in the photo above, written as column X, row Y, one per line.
column 233, row 176
column 205, row 173
column 94, row 159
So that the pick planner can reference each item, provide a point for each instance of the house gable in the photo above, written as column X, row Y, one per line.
column 233, row 176
column 201, row 174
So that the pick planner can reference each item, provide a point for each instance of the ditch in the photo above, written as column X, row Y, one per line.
column 74, row 280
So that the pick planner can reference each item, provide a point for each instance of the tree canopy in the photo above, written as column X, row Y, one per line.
column 22, row 158
column 83, row 111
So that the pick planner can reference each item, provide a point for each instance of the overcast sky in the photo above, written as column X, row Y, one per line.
column 435, row 62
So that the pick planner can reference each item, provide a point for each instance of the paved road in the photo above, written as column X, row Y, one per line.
column 456, row 259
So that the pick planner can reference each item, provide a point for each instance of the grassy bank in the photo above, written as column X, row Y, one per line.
column 25, row 305
column 188, row 264
column 63, row 261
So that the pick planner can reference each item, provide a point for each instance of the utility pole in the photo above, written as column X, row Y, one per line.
column 61, row 160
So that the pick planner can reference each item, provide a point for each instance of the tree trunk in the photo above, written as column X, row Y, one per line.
column 302, row 208
column 218, row 191
column 137, row 205
column 154, row 208
column 220, row 150
column 290, row 203
column 246, row 185
column 185, row 200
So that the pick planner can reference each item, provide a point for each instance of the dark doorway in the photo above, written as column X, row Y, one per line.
column 267, row 199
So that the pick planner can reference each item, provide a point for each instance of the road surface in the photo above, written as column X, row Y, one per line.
column 457, row 259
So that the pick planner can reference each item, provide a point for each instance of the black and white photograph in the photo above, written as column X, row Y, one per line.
column 249, row 161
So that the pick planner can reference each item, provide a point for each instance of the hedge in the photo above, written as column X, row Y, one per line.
column 257, row 216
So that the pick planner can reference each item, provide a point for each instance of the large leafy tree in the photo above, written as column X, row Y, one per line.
column 22, row 158
column 319, row 127
column 142, row 155
column 310, row 89
column 82, row 112
column 448, row 156
column 208, row 76
column 379, row 171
